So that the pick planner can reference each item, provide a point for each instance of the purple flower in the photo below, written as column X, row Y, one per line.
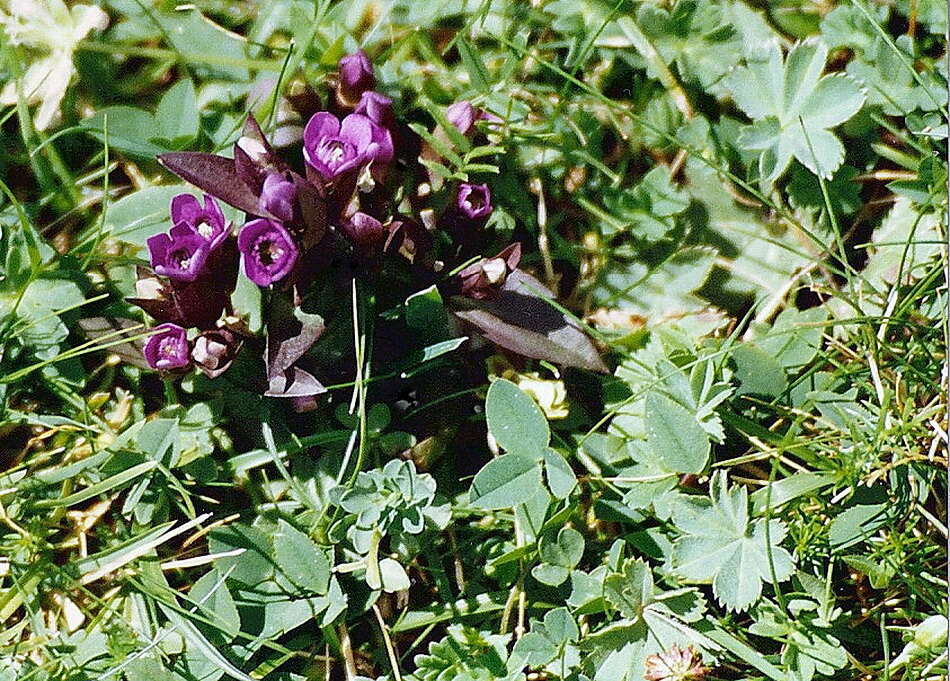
column 364, row 230
column 376, row 107
column 483, row 280
column 278, row 196
column 168, row 348
column 356, row 76
column 474, row 201
column 464, row 116
column 180, row 254
column 267, row 250
column 207, row 220
column 333, row 148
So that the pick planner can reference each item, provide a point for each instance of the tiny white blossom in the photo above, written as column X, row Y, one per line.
column 52, row 31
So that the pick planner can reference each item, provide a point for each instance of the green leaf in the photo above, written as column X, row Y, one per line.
column 856, row 524
column 793, row 106
column 216, row 602
column 300, row 560
column 515, row 420
column 130, row 130
column 758, row 372
column 674, row 435
column 392, row 575
column 559, row 474
column 425, row 314
column 197, row 640
column 474, row 64
column 177, row 115
column 505, row 482
column 719, row 544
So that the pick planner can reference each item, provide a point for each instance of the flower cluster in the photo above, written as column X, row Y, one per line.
column 347, row 192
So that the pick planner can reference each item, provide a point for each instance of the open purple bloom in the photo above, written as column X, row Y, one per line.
column 376, row 107
column 206, row 220
column 364, row 230
column 278, row 195
column 474, row 201
column 180, row 254
column 168, row 348
column 267, row 250
column 333, row 148
column 356, row 77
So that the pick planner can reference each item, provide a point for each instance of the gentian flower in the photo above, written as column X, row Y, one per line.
column 473, row 201
column 364, row 230
column 483, row 280
column 213, row 351
column 180, row 254
column 332, row 148
column 464, row 116
column 168, row 348
column 207, row 221
column 267, row 250
column 278, row 196
column 356, row 77
column 376, row 107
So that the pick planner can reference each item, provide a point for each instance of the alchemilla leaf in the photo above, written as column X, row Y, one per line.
column 721, row 545
column 793, row 108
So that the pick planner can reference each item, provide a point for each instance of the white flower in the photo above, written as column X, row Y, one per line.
column 51, row 30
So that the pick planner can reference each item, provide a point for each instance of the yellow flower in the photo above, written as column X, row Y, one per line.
column 550, row 395
column 52, row 31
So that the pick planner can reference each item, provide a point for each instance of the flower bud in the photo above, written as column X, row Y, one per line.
column 213, row 351
column 484, row 279
column 278, row 196
column 364, row 231
column 356, row 77
column 376, row 107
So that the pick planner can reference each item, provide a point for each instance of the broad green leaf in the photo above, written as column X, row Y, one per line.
column 835, row 99
column 856, row 524
column 216, row 602
column 128, row 129
column 505, row 482
column 393, row 576
column 674, row 435
column 515, row 420
column 758, row 372
column 300, row 560
column 177, row 114
column 196, row 639
column 720, row 545
column 559, row 474
column 796, row 121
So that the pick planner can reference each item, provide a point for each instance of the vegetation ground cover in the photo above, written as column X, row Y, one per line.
column 473, row 340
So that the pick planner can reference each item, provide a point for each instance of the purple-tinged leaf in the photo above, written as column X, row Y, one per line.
column 109, row 329
column 294, row 382
column 521, row 320
column 217, row 176
column 290, row 333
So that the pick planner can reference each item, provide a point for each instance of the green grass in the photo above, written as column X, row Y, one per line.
column 777, row 347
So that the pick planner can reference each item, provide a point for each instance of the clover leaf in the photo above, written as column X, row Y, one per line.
column 793, row 108
column 721, row 545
